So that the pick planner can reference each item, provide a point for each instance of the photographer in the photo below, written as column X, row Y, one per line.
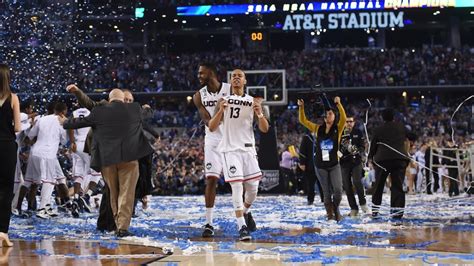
column 352, row 148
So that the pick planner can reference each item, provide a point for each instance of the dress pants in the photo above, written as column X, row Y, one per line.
column 122, row 180
column 396, row 169
column 352, row 176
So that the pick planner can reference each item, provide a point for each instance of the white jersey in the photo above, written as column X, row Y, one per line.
column 50, row 133
column 80, row 134
column 209, row 101
column 237, row 125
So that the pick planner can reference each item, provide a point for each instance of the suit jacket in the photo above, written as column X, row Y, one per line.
column 90, row 146
column 118, row 132
column 392, row 134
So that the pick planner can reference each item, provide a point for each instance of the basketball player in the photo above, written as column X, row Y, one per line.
column 81, row 162
column 43, row 165
column 241, row 170
column 19, row 180
column 206, row 101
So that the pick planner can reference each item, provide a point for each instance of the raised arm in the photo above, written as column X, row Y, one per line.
column 218, row 116
column 342, row 114
column 262, row 121
column 82, row 98
column 203, row 113
column 302, row 117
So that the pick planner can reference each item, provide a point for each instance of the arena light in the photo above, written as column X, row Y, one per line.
column 189, row 99
column 163, row 16
column 404, row 94
column 139, row 12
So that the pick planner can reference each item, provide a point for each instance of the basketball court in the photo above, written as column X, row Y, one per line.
column 436, row 229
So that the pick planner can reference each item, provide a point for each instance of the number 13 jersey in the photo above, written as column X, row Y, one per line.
column 237, row 127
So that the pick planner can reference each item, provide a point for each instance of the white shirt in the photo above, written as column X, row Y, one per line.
column 420, row 157
column 209, row 101
column 50, row 133
column 80, row 134
column 237, row 125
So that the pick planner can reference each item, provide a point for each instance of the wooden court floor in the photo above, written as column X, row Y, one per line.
column 447, row 247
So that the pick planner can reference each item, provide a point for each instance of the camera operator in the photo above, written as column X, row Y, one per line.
column 352, row 148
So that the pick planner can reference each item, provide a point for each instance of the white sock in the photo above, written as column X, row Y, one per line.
column 90, row 192
column 46, row 192
column 209, row 215
column 246, row 210
column 240, row 222
column 76, row 196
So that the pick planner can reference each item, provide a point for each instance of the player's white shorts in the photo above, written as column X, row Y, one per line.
column 47, row 170
column 93, row 176
column 212, row 161
column 241, row 166
column 81, row 162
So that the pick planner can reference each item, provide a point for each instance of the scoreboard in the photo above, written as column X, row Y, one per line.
column 256, row 41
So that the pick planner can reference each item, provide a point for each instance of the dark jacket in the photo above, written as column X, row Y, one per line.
column 352, row 147
column 118, row 132
column 89, row 104
column 394, row 135
column 90, row 146
column 307, row 153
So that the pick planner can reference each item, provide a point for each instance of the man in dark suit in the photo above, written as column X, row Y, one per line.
column 389, row 161
column 120, row 141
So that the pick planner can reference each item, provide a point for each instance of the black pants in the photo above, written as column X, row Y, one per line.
column 310, row 180
column 144, row 185
column 106, row 221
column 352, row 177
column 8, row 160
column 433, row 173
column 396, row 169
column 453, row 184
column 289, row 177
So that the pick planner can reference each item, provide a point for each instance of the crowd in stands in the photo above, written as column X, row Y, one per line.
column 344, row 67
column 49, row 58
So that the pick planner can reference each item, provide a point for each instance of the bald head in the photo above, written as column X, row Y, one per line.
column 116, row 95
